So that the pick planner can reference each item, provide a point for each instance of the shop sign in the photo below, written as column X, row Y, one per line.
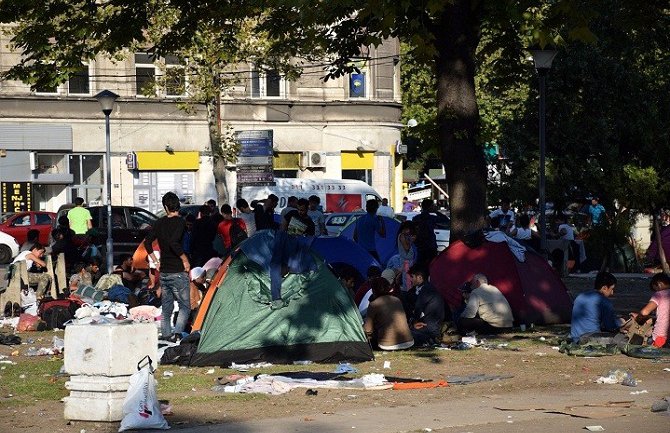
column 16, row 196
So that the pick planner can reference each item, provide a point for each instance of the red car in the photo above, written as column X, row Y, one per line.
column 18, row 224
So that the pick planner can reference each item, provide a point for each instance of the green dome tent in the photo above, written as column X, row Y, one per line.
column 314, row 319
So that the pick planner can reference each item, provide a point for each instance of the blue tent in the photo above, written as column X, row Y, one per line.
column 337, row 249
column 387, row 247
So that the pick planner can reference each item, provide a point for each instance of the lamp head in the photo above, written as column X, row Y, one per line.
column 106, row 99
column 411, row 123
column 542, row 58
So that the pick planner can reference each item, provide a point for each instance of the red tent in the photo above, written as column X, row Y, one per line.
column 533, row 289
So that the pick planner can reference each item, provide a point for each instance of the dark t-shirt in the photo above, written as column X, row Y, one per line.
column 264, row 219
column 169, row 232
column 306, row 220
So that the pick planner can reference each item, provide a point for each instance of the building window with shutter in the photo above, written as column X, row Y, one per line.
column 79, row 83
column 145, row 74
column 267, row 83
column 358, row 84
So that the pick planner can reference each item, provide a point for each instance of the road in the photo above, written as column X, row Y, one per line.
column 523, row 411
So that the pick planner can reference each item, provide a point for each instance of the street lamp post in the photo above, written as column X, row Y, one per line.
column 106, row 100
column 543, row 59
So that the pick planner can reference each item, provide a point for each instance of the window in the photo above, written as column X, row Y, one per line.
column 175, row 80
column 79, row 83
column 42, row 219
column 145, row 73
column 363, row 175
column 358, row 84
column 267, row 84
column 141, row 219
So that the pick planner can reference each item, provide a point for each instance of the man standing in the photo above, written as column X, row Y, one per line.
column 385, row 210
column 367, row 226
column 202, row 237
column 316, row 215
column 407, row 206
column 79, row 217
column 232, row 230
column 593, row 313
column 265, row 213
column 504, row 214
column 427, row 313
column 486, row 310
column 426, row 241
column 247, row 215
column 173, row 266
column 597, row 212
column 297, row 222
column 291, row 204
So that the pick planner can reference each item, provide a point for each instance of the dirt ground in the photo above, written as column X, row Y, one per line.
column 529, row 357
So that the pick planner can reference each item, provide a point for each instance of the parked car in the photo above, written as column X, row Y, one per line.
column 442, row 229
column 130, row 226
column 18, row 224
column 190, row 209
column 9, row 248
column 336, row 222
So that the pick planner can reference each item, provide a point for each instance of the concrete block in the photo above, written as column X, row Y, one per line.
column 94, row 406
column 98, row 383
column 109, row 350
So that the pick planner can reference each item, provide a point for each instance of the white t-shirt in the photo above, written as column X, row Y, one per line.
column 569, row 232
column 249, row 220
column 386, row 211
column 522, row 233
column 22, row 257
column 505, row 217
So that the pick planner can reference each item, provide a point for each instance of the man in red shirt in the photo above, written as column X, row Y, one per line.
column 232, row 230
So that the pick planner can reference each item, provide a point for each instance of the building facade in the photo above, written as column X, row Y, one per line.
column 52, row 141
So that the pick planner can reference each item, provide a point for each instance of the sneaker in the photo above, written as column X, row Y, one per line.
column 16, row 310
column 8, row 309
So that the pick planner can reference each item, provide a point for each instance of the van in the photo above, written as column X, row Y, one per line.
column 337, row 195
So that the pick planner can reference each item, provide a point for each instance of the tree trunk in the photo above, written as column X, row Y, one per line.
column 659, row 239
column 218, row 161
column 457, row 36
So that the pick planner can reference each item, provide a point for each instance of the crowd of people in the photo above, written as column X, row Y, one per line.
column 400, row 306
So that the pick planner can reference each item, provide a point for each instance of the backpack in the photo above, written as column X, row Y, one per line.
column 237, row 233
column 57, row 312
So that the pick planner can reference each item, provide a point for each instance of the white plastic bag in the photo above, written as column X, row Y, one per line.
column 141, row 409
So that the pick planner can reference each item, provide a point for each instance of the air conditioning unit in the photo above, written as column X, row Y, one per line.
column 313, row 159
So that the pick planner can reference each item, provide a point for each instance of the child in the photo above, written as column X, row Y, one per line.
column 660, row 302
column 80, row 277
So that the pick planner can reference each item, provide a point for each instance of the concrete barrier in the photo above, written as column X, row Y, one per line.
column 100, row 360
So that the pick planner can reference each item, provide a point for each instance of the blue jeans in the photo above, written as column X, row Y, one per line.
column 174, row 286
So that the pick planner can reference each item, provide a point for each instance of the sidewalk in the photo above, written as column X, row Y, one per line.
column 479, row 414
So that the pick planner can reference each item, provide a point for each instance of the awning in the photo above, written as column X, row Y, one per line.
column 168, row 160
column 358, row 160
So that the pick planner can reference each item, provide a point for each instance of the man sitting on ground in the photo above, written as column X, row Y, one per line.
column 385, row 323
column 131, row 277
column 428, row 312
column 486, row 310
column 593, row 314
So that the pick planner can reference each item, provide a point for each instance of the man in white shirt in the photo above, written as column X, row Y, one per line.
column 246, row 215
column 486, row 311
column 505, row 215
column 317, row 216
column 291, row 204
column 385, row 210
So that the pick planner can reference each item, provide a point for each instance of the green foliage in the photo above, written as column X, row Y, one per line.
column 605, row 110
